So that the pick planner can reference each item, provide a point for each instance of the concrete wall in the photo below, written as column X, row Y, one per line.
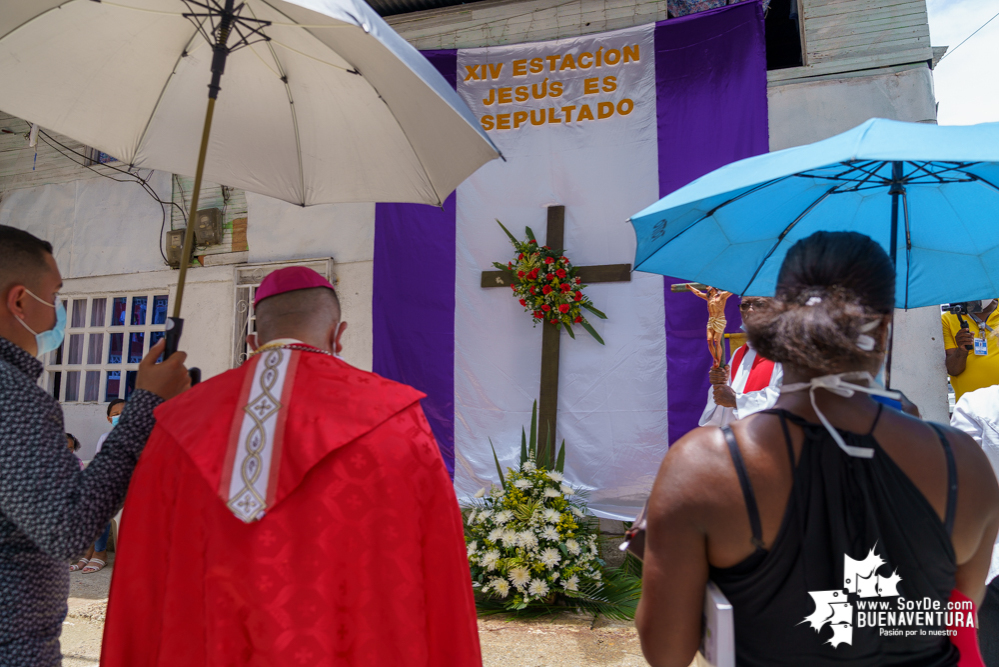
column 918, row 361
column 208, row 305
column 495, row 22
column 808, row 110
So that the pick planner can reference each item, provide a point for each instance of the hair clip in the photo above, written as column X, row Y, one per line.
column 813, row 301
column 865, row 342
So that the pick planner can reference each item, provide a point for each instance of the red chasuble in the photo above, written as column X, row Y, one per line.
column 293, row 511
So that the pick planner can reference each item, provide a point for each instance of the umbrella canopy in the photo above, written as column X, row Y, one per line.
column 325, row 104
column 928, row 194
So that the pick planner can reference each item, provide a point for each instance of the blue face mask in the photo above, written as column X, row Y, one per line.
column 51, row 339
column 114, row 420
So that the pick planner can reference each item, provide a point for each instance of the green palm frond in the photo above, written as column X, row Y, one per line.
column 512, row 237
column 533, row 450
column 617, row 598
column 499, row 469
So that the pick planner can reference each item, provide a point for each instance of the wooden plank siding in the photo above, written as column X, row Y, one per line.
column 20, row 168
column 211, row 197
column 848, row 30
column 497, row 22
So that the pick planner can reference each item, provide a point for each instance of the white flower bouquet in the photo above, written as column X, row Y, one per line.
column 532, row 544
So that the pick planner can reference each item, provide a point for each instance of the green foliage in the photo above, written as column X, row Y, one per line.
column 499, row 468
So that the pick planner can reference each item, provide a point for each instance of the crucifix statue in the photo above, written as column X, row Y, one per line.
column 716, row 299
column 550, row 338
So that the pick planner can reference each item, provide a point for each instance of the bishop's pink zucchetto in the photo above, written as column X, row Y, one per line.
column 289, row 279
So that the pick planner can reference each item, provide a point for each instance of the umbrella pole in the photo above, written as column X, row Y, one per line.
column 897, row 189
column 175, row 324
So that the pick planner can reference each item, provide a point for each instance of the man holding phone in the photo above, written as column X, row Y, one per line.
column 972, row 351
column 50, row 509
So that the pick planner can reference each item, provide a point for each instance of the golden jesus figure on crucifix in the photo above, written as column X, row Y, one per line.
column 716, row 321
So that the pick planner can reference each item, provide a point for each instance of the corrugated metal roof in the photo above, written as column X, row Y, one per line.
column 392, row 7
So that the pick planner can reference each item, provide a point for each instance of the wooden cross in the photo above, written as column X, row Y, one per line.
column 548, row 399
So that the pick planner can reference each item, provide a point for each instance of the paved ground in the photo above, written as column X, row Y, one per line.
column 571, row 641
column 83, row 627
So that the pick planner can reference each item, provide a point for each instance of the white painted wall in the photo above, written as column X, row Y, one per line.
column 279, row 231
column 105, row 233
column 806, row 111
column 97, row 226
column 918, row 368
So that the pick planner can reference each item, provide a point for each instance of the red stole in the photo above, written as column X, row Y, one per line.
column 760, row 372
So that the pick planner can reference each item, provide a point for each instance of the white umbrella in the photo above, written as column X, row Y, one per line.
column 321, row 101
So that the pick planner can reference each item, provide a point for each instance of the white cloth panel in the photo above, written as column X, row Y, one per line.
column 612, row 398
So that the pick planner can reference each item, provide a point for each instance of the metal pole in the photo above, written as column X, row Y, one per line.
column 897, row 189
column 175, row 324
column 189, row 232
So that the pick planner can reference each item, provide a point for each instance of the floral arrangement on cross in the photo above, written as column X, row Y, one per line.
column 547, row 285
column 533, row 546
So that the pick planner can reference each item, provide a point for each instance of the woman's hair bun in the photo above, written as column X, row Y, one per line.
column 831, row 286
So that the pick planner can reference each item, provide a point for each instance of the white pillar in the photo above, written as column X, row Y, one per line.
column 918, row 368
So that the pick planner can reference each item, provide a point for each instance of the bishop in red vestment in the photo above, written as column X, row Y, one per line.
column 292, row 511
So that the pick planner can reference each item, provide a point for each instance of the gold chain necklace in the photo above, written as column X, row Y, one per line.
column 289, row 346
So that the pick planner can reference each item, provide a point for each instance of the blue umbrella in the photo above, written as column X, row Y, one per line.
column 928, row 194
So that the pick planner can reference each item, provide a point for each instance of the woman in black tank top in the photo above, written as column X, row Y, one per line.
column 837, row 528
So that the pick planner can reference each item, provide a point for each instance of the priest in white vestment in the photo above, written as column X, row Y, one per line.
column 755, row 384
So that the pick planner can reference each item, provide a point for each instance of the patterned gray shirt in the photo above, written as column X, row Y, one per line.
column 50, row 510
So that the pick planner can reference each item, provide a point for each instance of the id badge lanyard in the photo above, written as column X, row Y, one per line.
column 981, row 342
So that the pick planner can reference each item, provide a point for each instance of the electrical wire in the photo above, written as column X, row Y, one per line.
column 966, row 39
column 133, row 178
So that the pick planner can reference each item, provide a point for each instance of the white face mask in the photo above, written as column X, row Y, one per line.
column 986, row 303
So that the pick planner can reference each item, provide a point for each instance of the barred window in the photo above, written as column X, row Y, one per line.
column 107, row 335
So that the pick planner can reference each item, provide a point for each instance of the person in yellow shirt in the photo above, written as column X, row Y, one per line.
column 977, row 367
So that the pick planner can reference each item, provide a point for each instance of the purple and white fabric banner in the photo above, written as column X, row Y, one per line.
column 601, row 124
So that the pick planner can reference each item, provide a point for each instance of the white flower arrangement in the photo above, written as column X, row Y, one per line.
column 531, row 543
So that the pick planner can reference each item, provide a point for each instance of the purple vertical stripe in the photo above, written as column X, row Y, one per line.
column 711, row 104
column 446, row 62
column 413, row 306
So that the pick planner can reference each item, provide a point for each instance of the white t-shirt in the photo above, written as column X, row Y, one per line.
column 977, row 414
